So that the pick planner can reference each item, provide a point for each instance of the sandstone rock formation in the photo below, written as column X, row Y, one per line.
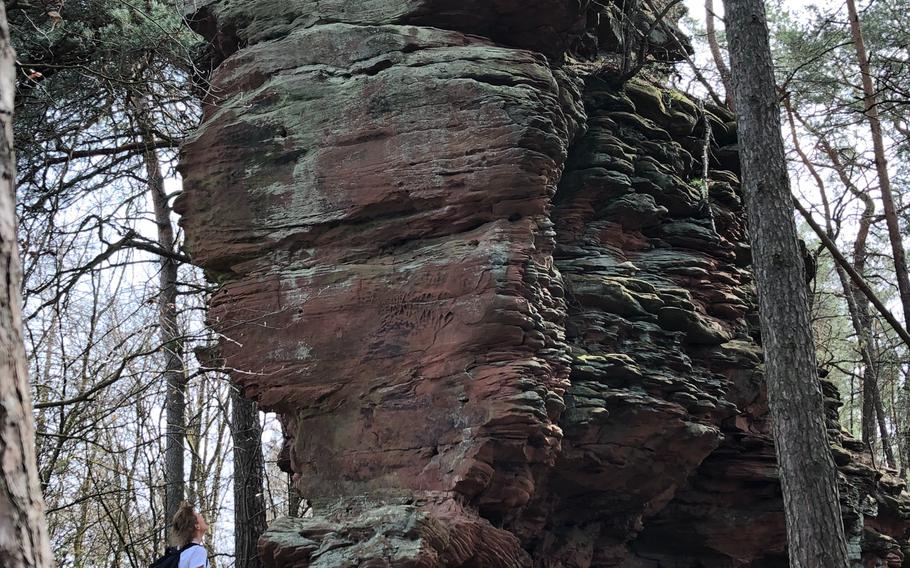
column 504, row 319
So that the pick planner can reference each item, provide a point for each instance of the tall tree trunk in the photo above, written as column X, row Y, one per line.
column 716, row 53
column 881, row 163
column 249, row 503
column 171, row 338
column 815, row 528
column 23, row 532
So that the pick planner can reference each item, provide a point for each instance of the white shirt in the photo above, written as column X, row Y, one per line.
column 194, row 557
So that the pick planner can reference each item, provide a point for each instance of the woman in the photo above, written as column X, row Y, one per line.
column 188, row 528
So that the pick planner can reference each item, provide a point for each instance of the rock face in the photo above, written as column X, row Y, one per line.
column 504, row 319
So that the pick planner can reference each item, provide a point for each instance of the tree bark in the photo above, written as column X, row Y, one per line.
column 171, row 338
column 249, row 503
column 881, row 163
column 23, row 531
column 815, row 528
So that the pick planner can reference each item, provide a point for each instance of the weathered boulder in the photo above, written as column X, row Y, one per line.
column 503, row 319
column 377, row 200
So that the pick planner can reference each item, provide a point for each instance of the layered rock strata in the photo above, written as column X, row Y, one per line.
column 504, row 320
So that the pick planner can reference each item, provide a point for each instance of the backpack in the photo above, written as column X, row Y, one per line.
column 171, row 558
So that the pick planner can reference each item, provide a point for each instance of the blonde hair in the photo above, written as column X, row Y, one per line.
column 183, row 525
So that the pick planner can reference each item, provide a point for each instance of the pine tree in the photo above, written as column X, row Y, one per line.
column 808, row 476
column 23, row 535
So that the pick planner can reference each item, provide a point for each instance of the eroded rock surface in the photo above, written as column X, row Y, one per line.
column 502, row 316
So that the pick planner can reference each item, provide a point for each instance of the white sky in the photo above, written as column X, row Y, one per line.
column 697, row 7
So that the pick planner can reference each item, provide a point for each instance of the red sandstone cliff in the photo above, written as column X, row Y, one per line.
column 485, row 292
